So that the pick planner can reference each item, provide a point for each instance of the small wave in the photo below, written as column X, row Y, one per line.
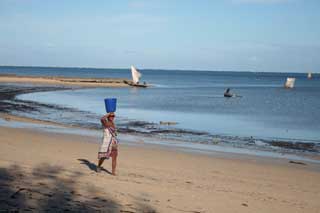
column 260, row 143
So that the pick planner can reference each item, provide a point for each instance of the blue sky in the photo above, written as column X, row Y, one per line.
column 254, row 35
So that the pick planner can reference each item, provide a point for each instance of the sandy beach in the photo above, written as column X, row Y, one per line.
column 200, row 107
column 65, row 81
column 56, row 172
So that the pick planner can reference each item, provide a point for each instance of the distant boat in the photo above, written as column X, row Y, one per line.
column 309, row 75
column 290, row 83
column 136, row 75
column 227, row 93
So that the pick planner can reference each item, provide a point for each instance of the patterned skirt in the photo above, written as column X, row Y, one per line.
column 108, row 154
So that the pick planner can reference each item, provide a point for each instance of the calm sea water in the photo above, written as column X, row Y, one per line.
column 195, row 100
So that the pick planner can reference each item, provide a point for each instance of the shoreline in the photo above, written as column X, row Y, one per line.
column 48, row 127
column 56, row 172
column 65, row 81
column 8, row 92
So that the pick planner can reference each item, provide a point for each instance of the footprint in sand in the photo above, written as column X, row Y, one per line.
column 135, row 175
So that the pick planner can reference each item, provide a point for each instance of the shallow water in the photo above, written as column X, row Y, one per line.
column 271, row 112
column 265, row 112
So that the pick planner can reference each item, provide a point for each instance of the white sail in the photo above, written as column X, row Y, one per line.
column 309, row 75
column 290, row 83
column 135, row 75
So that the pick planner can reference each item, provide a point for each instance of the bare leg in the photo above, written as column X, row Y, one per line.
column 100, row 162
column 114, row 164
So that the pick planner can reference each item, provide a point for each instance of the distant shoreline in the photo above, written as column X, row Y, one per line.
column 66, row 81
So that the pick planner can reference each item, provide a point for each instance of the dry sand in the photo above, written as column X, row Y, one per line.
column 65, row 81
column 56, row 172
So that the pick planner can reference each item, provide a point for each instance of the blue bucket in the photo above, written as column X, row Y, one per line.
column 110, row 104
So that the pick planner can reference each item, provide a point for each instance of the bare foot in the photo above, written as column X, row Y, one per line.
column 98, row 169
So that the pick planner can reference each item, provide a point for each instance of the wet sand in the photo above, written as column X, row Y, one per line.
column 56, row 172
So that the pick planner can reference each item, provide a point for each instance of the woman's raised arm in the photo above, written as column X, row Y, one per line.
column 104, row 121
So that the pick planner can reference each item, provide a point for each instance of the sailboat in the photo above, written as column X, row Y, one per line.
column 136, row 75
column 309, row 75
column 290, row 83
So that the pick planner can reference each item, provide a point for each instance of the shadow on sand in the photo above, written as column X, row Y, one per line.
column 48, row 188
column 93, row 166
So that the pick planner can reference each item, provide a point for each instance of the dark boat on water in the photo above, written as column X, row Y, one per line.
column 135, row 85
column 227, row 93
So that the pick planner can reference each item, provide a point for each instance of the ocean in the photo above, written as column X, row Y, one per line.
column 263, row 116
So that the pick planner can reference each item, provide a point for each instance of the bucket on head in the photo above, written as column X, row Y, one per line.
column 110, row 104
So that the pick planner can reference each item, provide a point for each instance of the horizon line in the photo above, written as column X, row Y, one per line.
column 180, row 70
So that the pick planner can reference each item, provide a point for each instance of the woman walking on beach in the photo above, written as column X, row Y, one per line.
column 109, row 146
